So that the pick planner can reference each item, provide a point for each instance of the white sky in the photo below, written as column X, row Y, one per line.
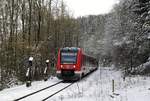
column 90, row 7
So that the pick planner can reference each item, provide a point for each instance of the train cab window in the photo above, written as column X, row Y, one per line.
column 68, row 57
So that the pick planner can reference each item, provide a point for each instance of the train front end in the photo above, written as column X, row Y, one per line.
column 69, row 63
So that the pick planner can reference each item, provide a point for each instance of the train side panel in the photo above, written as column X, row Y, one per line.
column 78, row 69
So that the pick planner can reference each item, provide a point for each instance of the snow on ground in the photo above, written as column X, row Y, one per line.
column 98, row 87
column 18, row 91
column 95, row 87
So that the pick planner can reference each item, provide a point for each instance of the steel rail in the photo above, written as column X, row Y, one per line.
column 58, row 91
column 37, row 91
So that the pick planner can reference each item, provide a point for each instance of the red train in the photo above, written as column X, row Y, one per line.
column 73, row 64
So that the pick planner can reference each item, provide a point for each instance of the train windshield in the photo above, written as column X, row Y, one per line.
column 68, row 57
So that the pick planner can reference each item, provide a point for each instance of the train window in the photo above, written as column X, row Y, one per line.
column 68, row 57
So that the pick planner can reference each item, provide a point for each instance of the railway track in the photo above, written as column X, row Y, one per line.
column 84, row 77
column 37, row 91
column 57, row 92
column 45, row 93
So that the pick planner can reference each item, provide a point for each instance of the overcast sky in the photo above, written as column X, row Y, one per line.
column 90, row 7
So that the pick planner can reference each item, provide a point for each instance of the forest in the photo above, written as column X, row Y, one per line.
column 34, row 28
column 122, row 37
column 38, row 28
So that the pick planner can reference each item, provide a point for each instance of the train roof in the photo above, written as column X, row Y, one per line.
column 75, row 49
column 70, row 49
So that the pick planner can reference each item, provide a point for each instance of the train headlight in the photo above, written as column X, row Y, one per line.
column 74, row 66
column 61, row 66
